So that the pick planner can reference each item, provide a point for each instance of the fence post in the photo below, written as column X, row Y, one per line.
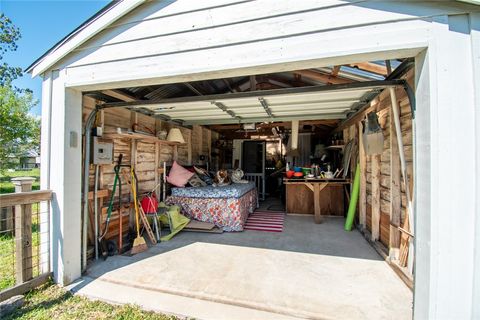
column 23, row 232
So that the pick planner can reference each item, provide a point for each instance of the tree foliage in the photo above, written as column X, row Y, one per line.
column 19, row 130
column 9, row 35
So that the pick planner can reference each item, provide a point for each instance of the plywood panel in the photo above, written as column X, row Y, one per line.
column 117, row 117
column 300, row 200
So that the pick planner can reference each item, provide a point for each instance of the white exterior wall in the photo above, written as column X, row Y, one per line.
column 61, row 172
column 166, row 42
column 475, row 53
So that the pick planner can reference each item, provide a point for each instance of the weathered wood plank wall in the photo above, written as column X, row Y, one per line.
column 382, row 214
column 147, row 157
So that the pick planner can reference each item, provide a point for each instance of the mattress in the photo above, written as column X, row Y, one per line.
column 234, row 190
column 230, row 214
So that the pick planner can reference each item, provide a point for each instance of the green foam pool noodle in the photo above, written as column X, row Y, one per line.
column 352, row 207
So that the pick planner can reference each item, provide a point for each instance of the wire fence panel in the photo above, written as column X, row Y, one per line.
column 24, row 237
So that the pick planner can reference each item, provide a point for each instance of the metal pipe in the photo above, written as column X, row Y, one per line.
column 411, row 98
column 403, row 165
column 86, row 163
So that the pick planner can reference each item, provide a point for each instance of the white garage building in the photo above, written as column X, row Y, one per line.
column 138, row 43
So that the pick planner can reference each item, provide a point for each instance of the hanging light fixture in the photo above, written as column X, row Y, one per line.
column 175, row 135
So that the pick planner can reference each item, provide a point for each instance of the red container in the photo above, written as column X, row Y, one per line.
column 289, row 173
column 149, row 204
column 298, row 174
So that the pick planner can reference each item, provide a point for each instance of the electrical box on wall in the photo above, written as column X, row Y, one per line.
column 102, row 152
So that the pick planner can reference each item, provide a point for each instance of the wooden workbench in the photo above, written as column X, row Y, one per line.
column 312, row 196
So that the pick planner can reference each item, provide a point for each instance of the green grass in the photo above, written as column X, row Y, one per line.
column 51, row 302
column 7, row 258
column 6, row 186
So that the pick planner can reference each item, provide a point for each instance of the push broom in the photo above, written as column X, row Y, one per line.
column 139, row 244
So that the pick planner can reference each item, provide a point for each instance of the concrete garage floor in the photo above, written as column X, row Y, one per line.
column 308, row 271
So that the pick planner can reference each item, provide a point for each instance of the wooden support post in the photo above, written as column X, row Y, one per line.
column 316, row 201
column 253, row 83
column 375, row 197
column 317, row 188
column 209, row 147
column 157, row 164
column 189, row 146
column 395, row 193
column 133, row 161
column 23, row 232
column 200, row 143
column 363, row 180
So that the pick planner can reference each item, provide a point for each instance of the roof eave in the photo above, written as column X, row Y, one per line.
column 106, row 16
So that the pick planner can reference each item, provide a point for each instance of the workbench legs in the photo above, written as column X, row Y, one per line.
column 317, row 188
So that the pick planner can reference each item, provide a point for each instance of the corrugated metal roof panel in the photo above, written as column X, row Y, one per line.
column 305, row 104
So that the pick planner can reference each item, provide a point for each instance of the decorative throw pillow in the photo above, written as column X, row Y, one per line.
column 178, row 175
column 195, row 181
column 204, row 175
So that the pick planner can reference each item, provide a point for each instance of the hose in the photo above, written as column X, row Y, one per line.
column 86, row 173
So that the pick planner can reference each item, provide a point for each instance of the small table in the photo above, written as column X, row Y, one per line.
column 316, row 186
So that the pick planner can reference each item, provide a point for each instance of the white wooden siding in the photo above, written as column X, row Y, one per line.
column 167, row 42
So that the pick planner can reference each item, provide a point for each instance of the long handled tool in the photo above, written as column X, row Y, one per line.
column 142, row 214
column 146, row 225
column 139, row 244
column 95, row 199
column 120, row 215
column 409, row 220
column 101, row 239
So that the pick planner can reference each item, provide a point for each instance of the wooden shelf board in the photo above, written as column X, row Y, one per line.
column 138, row 136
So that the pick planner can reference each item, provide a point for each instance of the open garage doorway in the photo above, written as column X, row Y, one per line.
column 298, row 138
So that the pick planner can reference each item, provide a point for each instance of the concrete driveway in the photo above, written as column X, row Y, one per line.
column 308, row 271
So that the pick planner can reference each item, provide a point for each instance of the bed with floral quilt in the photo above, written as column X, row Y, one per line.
column 227, row 207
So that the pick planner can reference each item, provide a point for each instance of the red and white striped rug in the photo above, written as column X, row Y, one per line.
column 261, row 220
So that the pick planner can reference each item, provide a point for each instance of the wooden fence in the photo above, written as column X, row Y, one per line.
column 24, row 241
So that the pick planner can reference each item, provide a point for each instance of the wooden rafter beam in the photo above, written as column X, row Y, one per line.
column 208, row 85
column 296, row 82
column 229, row 86
column 193, row 89
column 238, row 86
column 370, row 67
column 120, row 95
column 280, row 83
column 325, row 78
column 253, row 83
column 335, row 71
column 388, row 65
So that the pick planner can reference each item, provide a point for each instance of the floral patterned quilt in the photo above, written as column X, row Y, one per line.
column 229, row 214
column 234, row 190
